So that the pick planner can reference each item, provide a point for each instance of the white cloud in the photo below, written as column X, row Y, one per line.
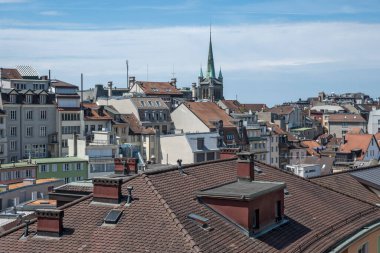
column 264, row 50
column 50, row 13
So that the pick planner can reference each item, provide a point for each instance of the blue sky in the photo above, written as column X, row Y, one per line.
column 269, row 51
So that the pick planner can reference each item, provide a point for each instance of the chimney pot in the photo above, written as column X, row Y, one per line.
column 245, row 166
column 49, row 222
column 107, row 190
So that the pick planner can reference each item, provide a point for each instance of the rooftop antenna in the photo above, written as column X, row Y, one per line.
column 173, row 73
column 81, row 90
column 126, row 62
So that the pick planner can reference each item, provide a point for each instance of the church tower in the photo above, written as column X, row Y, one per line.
column 210, row 87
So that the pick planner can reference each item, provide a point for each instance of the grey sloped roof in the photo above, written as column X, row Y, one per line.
column 368, row 177
column 27, row 70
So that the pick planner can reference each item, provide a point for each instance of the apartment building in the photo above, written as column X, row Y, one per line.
column 3, row 138
column 69, row 116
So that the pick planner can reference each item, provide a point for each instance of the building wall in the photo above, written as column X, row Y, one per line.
column 373, row 152
column 185, row 120
column 24, row 143
column 3, row 139
column 76, row 170
column 274, row 153
column 17, row 174
column 339, row 128
column 297, row 156
column 174, row 147
column 374, row 122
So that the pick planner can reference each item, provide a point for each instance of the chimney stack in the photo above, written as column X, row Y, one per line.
column 131, row 81
column 49, row 222
column 245, row 166
column 109, row 89
column 107, row 190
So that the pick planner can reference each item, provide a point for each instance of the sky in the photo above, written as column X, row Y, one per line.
column 269, row 51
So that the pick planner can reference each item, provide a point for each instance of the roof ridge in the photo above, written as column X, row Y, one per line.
column 349, row 171
column 188, row 238
column 321, row 185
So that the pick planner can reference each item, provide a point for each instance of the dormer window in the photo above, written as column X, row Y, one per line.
column 142, row 103
column 12, row 98
column 29, row 99
column 150, row 103
column 43, row 99
column 158, row 103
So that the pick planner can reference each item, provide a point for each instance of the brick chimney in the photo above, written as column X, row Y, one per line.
column 107, row 190
column 245, row 166
column 49, row 222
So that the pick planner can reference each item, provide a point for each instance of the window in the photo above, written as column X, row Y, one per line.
column 42, row 86
column 43, row 114
column 363, row 248
column 13, row 98
column 142, row 103
column 70, row 117
column 1, row 149
column 256, row 219
column 43, row 168
column 277, row 210
column 42, row 131
column 79, row 178
column 29, row 99
column 28, row 173
column 100, row 127
column 13, row 115
column 64, row 144
column 230, row 136
column 13, row 131
column 79, row 166
column 29, row 131
column 66, row 167
column 210, row 156
column 200, row 143
column 200, row 157
column 42, row 99
column 29, row 115
column 71, row 129
column 14, row 158
column 67, row 180
column 54, row 168
column 12, row 146
column 158, row 103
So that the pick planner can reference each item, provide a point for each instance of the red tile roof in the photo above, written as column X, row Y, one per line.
column 254, row 107
column 232, row 105
column 158, row 88
column 209, row 113
column 311, row 145
column 62, row 84
column 94, row 112
column 134, row 125
column 357, row 141
column 345, row 183
column 282, row 110
column 344, row 117
column 10, row 74
column 319, row 217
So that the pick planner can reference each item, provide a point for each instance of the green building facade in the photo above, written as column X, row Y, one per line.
column 70, row 169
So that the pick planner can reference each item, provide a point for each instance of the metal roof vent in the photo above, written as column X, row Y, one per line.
column 113, row 216
column 199, row 220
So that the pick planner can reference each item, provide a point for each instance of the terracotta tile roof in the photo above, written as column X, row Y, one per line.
column 134, row 125
column 311, row 146
column 344, row 117
column 319, row 217
column 7, row 73
column 282, row 110
column 62, row 84
column 345, row 183
column 253, row 107
column 93, row 112
column 356, row 130
column 357, row 141
column 233, row 105
column 209, row 113
column 158, row 88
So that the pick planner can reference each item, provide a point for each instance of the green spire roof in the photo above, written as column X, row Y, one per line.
column 220, row 74
column 210, row 62
column 201, row 73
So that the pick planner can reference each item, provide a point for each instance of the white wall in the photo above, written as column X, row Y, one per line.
column 184, row 119
column 373, row 122
column 174, row 147
column 305, row 171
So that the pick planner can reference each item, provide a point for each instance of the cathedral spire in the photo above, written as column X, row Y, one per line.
column 220, row 74
column 201, row 72
column 210, row 61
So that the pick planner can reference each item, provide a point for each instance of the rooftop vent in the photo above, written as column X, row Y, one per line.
column 199, row 220
column 113, row 216
column 49, row 222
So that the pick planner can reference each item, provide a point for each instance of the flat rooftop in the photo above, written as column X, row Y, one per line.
column 242, row 190
column 16, row 165
column 59, row 160
column 38, row 181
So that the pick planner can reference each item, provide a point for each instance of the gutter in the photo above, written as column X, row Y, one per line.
column 363, row 231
